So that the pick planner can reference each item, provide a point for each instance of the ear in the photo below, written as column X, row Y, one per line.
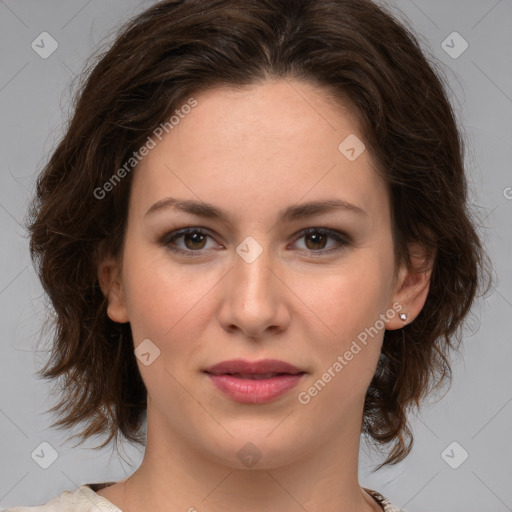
column 412, row 286
column 109, row 277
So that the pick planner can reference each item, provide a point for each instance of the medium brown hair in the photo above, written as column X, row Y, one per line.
column 363, row 57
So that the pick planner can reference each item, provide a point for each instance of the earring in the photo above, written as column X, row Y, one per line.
column 403, row 316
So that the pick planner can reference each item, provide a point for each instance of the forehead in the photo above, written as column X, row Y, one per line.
column 263, row 145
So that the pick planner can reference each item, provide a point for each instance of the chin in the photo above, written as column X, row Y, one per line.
column 259, row 449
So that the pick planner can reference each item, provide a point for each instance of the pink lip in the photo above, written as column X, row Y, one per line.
column 254, row 391
column 262, row 366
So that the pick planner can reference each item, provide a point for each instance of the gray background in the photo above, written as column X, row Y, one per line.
column 477, row 410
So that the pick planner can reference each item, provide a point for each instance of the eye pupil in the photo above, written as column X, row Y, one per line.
column 317, row 238
column 195, row 238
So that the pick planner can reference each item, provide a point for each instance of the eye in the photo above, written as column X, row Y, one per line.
column 192, row 240
column 316, row 240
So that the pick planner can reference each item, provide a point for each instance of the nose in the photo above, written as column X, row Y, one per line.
column 254, row 298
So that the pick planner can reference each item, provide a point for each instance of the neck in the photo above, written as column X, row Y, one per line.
column 174, row 475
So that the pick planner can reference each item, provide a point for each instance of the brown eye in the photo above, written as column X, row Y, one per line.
column 194, row 241
column 189, row 241
column 316, row 240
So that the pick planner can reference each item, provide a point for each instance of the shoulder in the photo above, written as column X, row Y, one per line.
column 82, row 499
column 386, row 505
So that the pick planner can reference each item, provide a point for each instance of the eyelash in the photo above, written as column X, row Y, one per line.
column 341, row 239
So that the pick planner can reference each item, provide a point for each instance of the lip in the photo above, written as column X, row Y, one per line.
column 247, row 387
column 253, row 367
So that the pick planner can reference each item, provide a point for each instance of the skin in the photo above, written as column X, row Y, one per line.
column 253, row 152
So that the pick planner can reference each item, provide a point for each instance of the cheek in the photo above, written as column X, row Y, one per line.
column 165, row 303
column 345, row 358
column 347, row 328
column 348, row 299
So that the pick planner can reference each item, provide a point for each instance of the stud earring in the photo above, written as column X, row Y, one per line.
column 403, row 316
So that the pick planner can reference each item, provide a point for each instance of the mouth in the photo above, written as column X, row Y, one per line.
column 254, row 382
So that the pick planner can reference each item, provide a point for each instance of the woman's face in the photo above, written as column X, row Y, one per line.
column 252, row 284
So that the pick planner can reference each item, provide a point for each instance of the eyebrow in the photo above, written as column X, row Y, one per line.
column 294, row 212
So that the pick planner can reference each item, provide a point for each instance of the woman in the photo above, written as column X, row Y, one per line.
column 255, row 235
